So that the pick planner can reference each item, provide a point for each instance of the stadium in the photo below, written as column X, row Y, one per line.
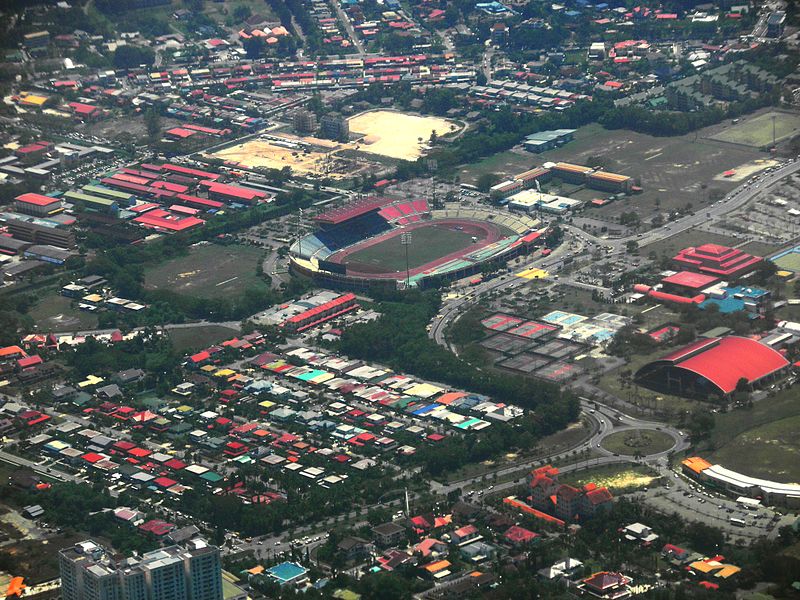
column 390, row 243
column 713, row 367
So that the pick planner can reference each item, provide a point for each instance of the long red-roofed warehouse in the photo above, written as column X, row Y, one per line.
column 713, row 367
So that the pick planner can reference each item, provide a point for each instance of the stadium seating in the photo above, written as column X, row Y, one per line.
column 353, row 230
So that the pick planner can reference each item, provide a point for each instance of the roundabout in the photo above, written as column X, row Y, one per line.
column 638, row 442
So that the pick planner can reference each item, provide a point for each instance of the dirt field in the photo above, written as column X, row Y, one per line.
column 209, row 271
column 618, row 479
column 757, row 131
column 397, row 135
column 261, row 152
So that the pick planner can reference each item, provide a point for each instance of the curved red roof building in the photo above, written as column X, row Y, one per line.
column 713, row 367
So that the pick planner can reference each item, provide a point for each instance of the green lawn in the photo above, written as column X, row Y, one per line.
column 771, row 450
column 199, row 337
column 757, row 131
column 691, row 237
column 427, row 244
column 788, row 262
column 209, row 271
column 55, row 313
column 638, row 441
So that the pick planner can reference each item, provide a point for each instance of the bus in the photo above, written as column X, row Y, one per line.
column 737, row 522
column 746, row 502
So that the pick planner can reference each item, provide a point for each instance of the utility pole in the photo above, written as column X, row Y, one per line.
column 405, row 240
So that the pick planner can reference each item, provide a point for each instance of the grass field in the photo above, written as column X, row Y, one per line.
column 762, row 441
column 209, row 271
column 757, row 131
column 638, row 441
column 789, row 262
column 199, row 337
column 428, row 244
column 771, row 450
column 55, row 313
column 691, row 237
column 397, row 134
column 759, row 248
column 672, row 170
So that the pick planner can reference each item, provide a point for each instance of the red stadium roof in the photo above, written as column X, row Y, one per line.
column 724, row 361
column 352, row 210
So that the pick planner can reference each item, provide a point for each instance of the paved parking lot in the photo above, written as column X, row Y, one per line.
column 694, row 503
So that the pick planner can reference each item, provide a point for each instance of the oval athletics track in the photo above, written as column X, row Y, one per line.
column 380, row 258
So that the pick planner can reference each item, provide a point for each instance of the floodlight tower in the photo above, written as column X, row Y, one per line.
column 405, row 240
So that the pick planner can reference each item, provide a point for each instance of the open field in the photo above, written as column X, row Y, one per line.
column 757, row 131
column 617, row 478
column 318, row 158
column 640, row 441
column 396, row 134
column 428, row 244
column 788, row 260
column 760, row 442
column 771, row 450
column 55, row 313
column 672, row 170
column 691, row 237
column 199, row 337
column 209, row 271
column 504, row 164
column 757, row 248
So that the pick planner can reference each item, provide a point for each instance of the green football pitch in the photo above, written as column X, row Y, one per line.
column 427, row 244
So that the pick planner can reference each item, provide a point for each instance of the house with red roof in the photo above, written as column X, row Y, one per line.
column 607, row 585
column 519, row 536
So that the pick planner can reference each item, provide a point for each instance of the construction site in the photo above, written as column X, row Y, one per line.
column 306, row 156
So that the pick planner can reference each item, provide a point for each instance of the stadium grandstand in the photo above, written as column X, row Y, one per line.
column 714, row 367
column 478, row 236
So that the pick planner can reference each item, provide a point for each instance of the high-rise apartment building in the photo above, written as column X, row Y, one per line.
column 191, row 571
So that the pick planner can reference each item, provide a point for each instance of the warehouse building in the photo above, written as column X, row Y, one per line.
column 547, row 140
column 93, row 203
column 232, row 193
column 37, row 205
column 319, row 314
column 570, row 173
column 610, row 182
column 122, row 198
column 531, row 201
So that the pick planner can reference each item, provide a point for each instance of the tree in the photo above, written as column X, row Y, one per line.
column 486, row 181
column 632, row 247
column 127, row 57
column 152, row 121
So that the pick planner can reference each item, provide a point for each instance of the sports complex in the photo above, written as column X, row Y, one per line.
column 389, row 243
